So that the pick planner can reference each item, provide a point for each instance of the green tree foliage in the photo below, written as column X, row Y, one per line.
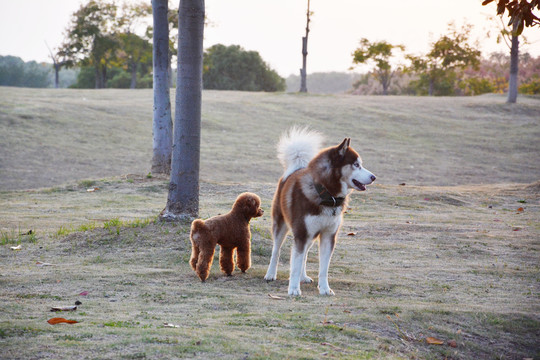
column 521, row 12
column 15, row 72
column 90, row 40
column 102, row 36
column 233, row 68
column 437, row 69
column 380, row 54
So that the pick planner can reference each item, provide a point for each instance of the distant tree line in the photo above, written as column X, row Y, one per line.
column 15, row 72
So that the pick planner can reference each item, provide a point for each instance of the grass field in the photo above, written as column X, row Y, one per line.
column 452, row 254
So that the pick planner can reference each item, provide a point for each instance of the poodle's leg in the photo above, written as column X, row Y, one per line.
column 279, row 232
column 305, row 279
column 194, row 255
column 327, row 243
column 226, row 260
column 243, row 257
column 298, row 253
column 206, row 257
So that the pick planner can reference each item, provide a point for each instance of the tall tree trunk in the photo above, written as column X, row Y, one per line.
column 431, row 86
column 514, row 60
column 97, row 73
column 183, row 199
column 133, row 83
column 56, row 75
column 162, row 121
column 303, row 71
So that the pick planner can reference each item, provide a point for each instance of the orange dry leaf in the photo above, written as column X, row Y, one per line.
column 434, row 341
column 55, row 321
column 351, row 234
column 520, row 209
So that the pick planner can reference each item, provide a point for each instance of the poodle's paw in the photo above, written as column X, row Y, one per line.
column 306, row 280
column 295, row 291
column 325, row 290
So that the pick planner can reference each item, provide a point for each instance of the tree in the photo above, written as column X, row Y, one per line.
column 162, row 121
column 183, row 197
column 520, row 13
column 380, row 53
column 134, row 49
column 450, row 52
column 57, row 65
column 90, row 40
column 233, row 68
column 303, row 70
column 15, row 72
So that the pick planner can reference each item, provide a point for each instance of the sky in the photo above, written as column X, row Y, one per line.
column 275, row 28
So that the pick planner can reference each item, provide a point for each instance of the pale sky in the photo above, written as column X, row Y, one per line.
column 275, row 28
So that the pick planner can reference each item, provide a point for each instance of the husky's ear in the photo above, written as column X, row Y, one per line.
column 342, row 148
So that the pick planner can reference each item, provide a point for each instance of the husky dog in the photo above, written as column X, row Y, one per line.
column 310, row 199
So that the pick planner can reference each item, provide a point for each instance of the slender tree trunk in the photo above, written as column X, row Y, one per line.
column 162, row 122
column 133, row 83
column 514, row 60
column 98, row 77
column 56, row 75
column 303, row 71
column 431, row 86
column 183, row 199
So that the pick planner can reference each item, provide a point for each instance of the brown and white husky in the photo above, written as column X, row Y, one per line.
column 310, row 199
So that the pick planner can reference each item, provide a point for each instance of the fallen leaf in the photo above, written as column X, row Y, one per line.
column 276, row 297
column 351, row 234
column 347, row 311
column 520, row 209
column 55, row 321
column 434, row 341
column 63, row 308
column 84, row 293
column 170, row 325
column 426, row 199
column 18, row 247
column 39, row 263
column 402, row 184
column 516, row 229
column 452, row 343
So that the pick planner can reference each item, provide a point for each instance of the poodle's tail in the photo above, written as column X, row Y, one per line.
column 297, row 147
column 197, row 226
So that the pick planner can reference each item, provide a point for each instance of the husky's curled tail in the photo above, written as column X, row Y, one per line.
column 297, row 147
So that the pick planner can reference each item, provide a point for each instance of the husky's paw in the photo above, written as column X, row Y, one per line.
column 326, row 291
column 295, row 292
column 270, row 277
column 306, row 280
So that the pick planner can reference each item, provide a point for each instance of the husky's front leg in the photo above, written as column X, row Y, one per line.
column 326, row 249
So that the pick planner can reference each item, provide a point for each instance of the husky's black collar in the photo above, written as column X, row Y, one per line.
column 326, row 198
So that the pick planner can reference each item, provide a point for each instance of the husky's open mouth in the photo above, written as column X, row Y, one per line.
column 359, row 185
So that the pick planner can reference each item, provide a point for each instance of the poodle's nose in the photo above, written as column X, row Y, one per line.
column 373, row 178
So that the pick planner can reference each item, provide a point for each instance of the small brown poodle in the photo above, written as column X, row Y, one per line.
column 230, row 231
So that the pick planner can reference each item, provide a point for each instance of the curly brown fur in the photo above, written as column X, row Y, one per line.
column 230, row 231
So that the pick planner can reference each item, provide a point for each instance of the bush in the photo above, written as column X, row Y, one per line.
column 233, row 68
column 532, row 87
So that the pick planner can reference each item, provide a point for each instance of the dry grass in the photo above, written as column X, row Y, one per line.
column 425, row 259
